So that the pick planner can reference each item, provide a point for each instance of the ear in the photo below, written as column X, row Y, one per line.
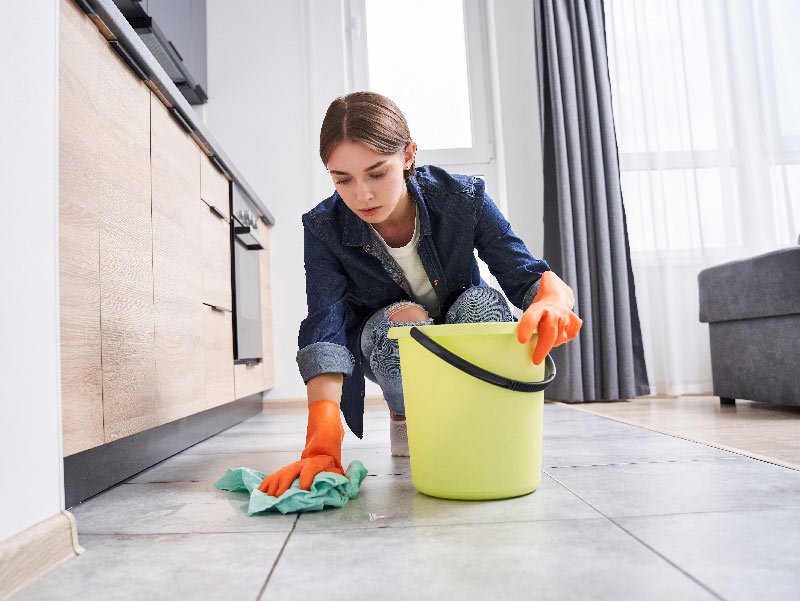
column 409, row 153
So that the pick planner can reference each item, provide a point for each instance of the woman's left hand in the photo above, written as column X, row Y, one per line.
column 550, row 316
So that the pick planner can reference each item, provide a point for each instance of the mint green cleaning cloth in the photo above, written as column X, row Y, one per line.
column 327, row 490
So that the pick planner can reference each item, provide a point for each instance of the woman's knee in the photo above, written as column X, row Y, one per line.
column 479, row 304
column 406, row 313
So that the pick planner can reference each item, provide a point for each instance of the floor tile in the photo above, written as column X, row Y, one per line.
column 251, row 442
column 550, row 560
column 565, row 451
column 248, row 443
column 682, row 486
column 596, row 426
column 186, row 467
column 392, row 501
column 175, row 507
column 206, row 567
column 742, row 555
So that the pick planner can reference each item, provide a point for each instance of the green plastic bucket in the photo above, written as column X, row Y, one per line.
column 474, row 405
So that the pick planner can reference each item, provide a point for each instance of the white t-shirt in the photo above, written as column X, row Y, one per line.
column 408, row 259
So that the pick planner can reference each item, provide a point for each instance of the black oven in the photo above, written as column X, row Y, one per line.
column 246, row 247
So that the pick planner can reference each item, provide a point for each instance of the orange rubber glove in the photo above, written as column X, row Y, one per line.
column 323, row 451
column 550, row 316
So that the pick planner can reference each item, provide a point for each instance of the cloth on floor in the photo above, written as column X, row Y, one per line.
column 327, row 490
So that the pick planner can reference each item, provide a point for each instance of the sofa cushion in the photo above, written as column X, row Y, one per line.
column 762, row 286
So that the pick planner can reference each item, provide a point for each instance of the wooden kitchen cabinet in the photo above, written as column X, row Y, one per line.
column 145, row 263
column 217, row 297
column 218, row 328
column 177, row 268
column 249, row 379
column 216, row 243
column 126, row 252
column 214, row 187
column 80, row 134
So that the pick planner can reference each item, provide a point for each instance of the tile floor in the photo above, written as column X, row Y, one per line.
column 621, row 513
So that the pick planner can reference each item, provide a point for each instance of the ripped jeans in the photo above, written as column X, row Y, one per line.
column 379, row 354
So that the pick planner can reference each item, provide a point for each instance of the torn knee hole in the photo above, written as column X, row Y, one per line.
column 408, row 314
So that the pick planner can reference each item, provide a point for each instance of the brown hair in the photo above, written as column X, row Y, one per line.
column 365, row 117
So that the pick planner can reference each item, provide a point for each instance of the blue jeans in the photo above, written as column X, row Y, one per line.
column 380, row 357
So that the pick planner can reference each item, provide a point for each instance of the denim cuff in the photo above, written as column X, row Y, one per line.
column 324, row 357
column 527, row 300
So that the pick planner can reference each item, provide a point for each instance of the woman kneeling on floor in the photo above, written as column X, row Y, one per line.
column 394, row 246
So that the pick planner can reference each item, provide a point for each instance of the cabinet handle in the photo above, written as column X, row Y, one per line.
column 125, row 56
column 218, row 164
column 86, row 7
column 176, row 114
column 219, row 308
column 218, row 213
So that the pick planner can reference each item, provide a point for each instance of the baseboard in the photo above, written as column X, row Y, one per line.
column 94, row 470
column 28, row 555
column 372, row 401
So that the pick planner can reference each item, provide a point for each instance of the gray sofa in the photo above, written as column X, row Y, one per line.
column 753, row 311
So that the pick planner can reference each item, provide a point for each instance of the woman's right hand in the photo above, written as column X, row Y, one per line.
column 279, row 482
column 322, row 453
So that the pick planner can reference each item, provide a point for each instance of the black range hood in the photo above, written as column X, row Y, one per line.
column 183, row 20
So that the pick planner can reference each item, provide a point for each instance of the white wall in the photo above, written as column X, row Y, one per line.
column 517, row 105
column 30, row 417
column 273, row 68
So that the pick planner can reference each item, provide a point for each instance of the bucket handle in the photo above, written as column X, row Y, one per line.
column 480, row 373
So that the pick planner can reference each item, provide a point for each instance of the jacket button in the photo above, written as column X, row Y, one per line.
column 367, row 247
column 435, row 282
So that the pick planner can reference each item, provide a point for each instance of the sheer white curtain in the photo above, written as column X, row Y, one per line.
column 705, row 99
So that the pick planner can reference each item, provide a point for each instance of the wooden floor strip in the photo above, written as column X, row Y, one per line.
column 28, row 555
column 762, row 431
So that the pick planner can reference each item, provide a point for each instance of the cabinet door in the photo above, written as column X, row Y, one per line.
column 249, row 379
column 126, row 251
column 80, row 135
column 266, row 311
column 216, row 259
column 177, row 268
column 214, row 187
column 219, row 356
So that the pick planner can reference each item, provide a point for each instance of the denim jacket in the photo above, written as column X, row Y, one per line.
column 349, row 275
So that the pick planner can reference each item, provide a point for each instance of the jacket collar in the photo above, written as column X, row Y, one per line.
column 356, row 231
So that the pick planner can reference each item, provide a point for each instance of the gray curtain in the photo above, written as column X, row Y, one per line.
column 585, row 234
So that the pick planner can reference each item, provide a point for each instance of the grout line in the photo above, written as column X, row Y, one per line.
column 277, row 559
column 669, row 561
column 643, row 462
column 641, row 542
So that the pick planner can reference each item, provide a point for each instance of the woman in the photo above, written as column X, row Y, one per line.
column 394, row 246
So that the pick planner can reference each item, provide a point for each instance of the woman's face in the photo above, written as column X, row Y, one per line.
column 371, row 184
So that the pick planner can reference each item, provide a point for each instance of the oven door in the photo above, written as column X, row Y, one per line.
column 247, row 333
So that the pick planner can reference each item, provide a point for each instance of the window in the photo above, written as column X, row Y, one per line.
column 429, row 57
column 704, row 96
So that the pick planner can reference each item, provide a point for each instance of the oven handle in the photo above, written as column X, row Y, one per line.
column 239, row 231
